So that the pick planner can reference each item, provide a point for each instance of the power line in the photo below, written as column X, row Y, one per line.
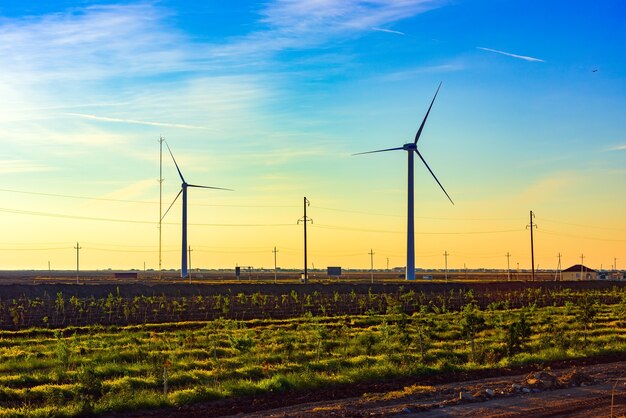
column 92, row 218
column 248, row 206
column 583, row 226
column 34, row 249
column 128, row 251
column 417, row 217
column 416, row 232
column 581, row 237
column 149, row 202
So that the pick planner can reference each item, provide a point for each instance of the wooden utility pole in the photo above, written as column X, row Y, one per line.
column 77, row 248
column 532, row 248
column 371, row 253
column 582, row 262
column 445, row 254
column 275, row 268
column 305, row 220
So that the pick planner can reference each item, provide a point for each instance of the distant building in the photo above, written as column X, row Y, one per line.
column 579, row 272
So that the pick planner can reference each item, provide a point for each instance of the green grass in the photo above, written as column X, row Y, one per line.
column 100, row 369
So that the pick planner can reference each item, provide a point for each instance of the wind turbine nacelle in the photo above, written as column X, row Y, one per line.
column 409, row 147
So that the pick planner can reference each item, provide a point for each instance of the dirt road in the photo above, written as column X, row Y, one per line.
column 602, row 393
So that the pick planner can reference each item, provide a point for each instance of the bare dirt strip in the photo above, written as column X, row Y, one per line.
column 591, row 387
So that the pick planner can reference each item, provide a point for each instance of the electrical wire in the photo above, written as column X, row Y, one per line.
column 140, row 201
column 416, row 217
column 335, row 227
column 253, row 206
column 582, row 226
column 135, row 221
column 34, row 249
column 581, row 237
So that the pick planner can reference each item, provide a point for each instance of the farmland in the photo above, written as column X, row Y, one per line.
column 72, row 349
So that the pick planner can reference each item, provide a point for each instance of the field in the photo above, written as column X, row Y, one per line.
column 208, row 350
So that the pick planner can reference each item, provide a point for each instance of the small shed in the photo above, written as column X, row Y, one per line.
column 579, row 272
column 125, row 274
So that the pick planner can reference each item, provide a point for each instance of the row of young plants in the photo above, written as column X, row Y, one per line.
column 97, row 369
column 62, row 310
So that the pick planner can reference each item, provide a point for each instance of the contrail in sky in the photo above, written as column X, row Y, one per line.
column 134, row 121
column 508, row 54
column 397, row 32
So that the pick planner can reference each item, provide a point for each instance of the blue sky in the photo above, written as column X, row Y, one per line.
column 271, row 98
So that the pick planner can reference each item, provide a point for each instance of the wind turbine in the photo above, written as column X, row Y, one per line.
column 183, row 190
column 410, row 148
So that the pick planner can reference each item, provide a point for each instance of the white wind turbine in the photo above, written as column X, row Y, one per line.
column 183, row 190
column 410, row 230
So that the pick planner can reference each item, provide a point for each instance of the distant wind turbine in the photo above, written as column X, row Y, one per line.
column 410, row 231
column 183, row 190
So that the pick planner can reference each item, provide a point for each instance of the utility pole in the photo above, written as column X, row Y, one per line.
column 508, row 266
column 582, row 261
column 465, row 268
column 190, row 269
column 305, row 220
column 77, row 248
column 49, row 270
column 532, row 248
column 275, row 268
column 161, row 139
column 387, row 263
column 371, row 253
column 558, row 269
column 445, row 254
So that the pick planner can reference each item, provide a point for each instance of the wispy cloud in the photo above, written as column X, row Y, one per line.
column 397, row 32
column 92, row 43
column 427, row 69
column 621, row 147
column 21, row 166
column 551, row 187
column 508, row 54
column 136, row 122
column 293, row 24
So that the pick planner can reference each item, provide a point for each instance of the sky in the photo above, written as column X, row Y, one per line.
column 272, row 98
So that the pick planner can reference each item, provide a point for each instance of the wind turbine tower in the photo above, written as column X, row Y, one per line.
column 411, row 148
column 183, row 191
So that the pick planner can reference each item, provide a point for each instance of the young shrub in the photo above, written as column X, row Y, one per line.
column 367, row 340
column 586, row 314
column 242, row 343
column 472, row 322
column 89, row 389
column 423, row 331
column 517, row 334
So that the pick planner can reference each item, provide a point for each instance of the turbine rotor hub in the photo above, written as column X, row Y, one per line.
column 409, row 147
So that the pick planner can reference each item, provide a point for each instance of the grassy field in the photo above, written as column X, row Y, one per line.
column 74, row 370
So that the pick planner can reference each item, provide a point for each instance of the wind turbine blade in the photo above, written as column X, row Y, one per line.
column 179, row 173
column 209, row 187
column 380, row 150
column 172, row 204
column 419, row 132
column 435, row 177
